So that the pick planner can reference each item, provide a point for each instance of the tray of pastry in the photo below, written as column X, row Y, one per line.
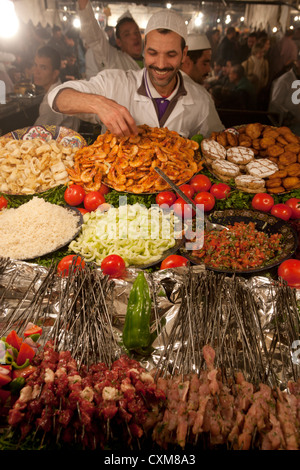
column 257, row 157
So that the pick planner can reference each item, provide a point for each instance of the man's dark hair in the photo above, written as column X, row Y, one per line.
column 230, row 30
column 126, row 19
column 52, row 54
column 167, row 31
column 195, row 55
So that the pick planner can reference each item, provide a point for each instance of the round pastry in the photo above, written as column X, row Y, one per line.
column 262, row 167
column 212, row 149
column 249, row 182
column 225, row 168
column 240, row 155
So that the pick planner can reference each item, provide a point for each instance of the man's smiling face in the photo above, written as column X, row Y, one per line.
column 163, row 58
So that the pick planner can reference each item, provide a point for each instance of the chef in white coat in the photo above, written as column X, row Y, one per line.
column 285, row 98
column 105, row 56
column 159, row 95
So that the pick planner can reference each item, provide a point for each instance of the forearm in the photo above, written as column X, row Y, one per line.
column 70, row 101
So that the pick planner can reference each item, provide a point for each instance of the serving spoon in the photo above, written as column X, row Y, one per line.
column 208, row 224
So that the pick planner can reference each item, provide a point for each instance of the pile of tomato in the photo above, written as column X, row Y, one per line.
column 265, row 202
column 75, row 195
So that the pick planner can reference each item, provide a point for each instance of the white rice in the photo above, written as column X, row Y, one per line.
column 35, row 228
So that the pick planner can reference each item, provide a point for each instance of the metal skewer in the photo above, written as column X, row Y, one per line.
column 208, row 225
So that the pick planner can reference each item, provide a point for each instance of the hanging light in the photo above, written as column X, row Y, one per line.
column 169, row 5
column 199, row 19
column 274, row 29
column 9, row 23
column 76, row 22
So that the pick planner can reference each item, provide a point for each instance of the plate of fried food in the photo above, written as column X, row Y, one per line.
column 257, row 157
column 255, row 242
column 127, row 164
column 35, row 159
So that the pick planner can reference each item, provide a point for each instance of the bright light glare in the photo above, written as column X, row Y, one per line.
column 198, row 19
column 76, row 23
column 9, row 23
column 228, row 19
column 169, row 5
column 274, row 29
column 242, row 18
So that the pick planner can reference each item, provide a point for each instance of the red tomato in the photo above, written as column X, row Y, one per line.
column 82, row 210
column 182, row 209
column 282, row 211
column 220, row 190
column 200, row 183
column 74, row 195
column 104, row 189
column 188, row 190
column 289, row 270
column 3, row 202
column 165, row 197
column 66, row 264
column 93, row 200
column 294, row 204
column 173, row 261
column 205, row 198
column 113, row 266
column 262, row 202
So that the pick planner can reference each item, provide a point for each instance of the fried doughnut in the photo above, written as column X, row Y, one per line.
column 254, row 130
column 287, row 158
column 232, row 138
column 275, row 150
column 270, row 132
column 293, row 169
column 273, row 183
column 290, row 137
column 282, row 141
column 279, row 174
column 222, row 139
column 245, row 141
column 267, row 142
column 277, row 190
column 291, row 182
column 292, row 147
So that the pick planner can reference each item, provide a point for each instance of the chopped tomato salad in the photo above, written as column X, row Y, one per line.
column 242, row 247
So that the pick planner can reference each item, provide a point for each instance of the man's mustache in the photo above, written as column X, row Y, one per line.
column 167, row 69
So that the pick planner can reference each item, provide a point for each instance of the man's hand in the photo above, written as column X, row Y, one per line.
column 116, row 118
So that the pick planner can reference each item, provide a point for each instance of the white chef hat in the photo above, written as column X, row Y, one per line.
column 167, row 19
column 197, row 42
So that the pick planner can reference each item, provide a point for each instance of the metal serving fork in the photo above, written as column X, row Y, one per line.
column 208, row 225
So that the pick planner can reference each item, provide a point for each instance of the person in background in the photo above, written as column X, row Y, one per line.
column 238, row 94
column 6, row 61
column 128, row 39
column 71, row 69
column 46, row 76
column 228, row 48
column 57, row 41
column 284, row 98
column 198, row 59
column 257, row 68
column 245, row 49
column 214, row 36
column 288, row 51
column 159, row 95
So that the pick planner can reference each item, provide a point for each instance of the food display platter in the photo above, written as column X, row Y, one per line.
column 270, row 146
column 263, row 222
column 61, row 134
column 43, row 152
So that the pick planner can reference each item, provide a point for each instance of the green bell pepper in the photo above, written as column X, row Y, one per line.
column 136, row 332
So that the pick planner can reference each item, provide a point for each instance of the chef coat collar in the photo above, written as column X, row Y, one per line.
column 176, row 94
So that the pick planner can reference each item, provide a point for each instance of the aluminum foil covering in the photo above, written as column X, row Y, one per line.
column 252, row 323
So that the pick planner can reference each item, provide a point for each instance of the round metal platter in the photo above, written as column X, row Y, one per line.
column 62, row 245
column 264, row 222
